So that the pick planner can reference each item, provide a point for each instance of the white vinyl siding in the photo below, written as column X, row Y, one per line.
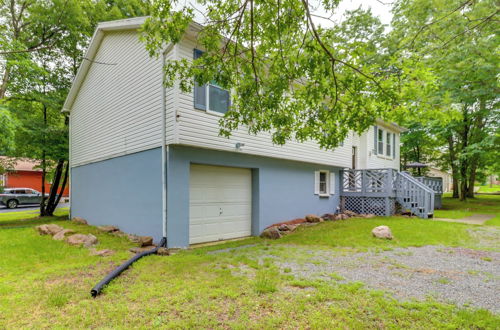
column 201, row 129
column 381, row 160
column 117, row 109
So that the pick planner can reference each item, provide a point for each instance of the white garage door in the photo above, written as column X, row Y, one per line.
column 220, row 203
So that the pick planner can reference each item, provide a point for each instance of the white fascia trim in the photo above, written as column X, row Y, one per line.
column 392, row 126
column 95, row 42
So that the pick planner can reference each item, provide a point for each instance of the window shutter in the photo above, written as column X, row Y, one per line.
column 394, row 145
column 200, row 92
column 332, row 183
column 375, row 142
column 316, row 182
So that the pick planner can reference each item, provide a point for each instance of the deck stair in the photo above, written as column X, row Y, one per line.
column 414, row 196
column 383, row 191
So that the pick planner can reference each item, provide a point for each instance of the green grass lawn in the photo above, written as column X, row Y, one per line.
column 456, row 209
column 487, row 189
column 23, row 215
column 46, row 283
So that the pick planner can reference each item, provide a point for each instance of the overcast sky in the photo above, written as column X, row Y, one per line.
column 377, row 8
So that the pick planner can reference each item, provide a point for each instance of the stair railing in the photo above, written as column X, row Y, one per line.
column 414, row 195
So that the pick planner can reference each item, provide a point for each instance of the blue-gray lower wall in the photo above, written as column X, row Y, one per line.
column 123, row 191
column 126, row 191
column 281, row 190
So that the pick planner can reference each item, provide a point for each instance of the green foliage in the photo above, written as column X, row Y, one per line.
column 458, row 42
column 288, row 76
column 8, row 125
column 42, row 44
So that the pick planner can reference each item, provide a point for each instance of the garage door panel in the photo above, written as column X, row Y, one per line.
column 220, row 203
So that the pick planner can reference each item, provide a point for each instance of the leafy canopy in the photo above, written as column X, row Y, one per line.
column 288, row 75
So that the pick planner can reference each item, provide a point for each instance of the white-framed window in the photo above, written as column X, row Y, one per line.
column 324, row 183
column 388, row 144
column 210, row 97
column 385, row 143
column 380, row 142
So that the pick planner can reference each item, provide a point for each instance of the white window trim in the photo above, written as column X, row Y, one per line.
column 330, row 183
column 207, row 100
column 380, row 140
column 383, row 155
column 388, row 144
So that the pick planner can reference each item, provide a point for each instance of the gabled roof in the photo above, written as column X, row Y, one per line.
column 95, row 42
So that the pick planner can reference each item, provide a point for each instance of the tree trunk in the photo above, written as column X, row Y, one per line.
column 63, row 185
column 5, row 80
column 44, row 172
column 51, row 206
column 454, row 171
column 472, row 179
column 455, row 187
column 44, row 165
column 464, row 162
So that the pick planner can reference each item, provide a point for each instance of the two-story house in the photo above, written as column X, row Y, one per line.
column 149, row 159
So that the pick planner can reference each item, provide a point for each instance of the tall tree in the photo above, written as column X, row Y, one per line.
column 289, row 75
column 42, row 44
column 458, row 42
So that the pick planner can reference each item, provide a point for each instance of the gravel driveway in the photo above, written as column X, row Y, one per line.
column 457, row 275
column 462, row 276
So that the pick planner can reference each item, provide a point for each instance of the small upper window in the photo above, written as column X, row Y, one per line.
column 388, row 146
column 380, row 142
column 210, row 97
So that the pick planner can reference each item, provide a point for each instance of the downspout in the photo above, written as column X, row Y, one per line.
column 96, row 290
column 164, row 147
column 164, row 156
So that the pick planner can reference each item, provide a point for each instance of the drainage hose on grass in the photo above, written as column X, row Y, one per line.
column 96, row 290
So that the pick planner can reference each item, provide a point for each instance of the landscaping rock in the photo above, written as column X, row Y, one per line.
column 102, row 253
column 271, row 233
column 313, row 218
column 283, row 227
column 145, row 240
column 120, row 233
column 81, row 239
column 341, row 216
column 329, row 217
column 163, row 251
column 49, row 229
column 351, row 213
column 142, row 249
column 368, row 216
column 79, row 220
column 382, row 232
column 108, row 229
column 61, row 235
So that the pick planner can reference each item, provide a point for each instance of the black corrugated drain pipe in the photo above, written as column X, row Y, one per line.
column 96, row 290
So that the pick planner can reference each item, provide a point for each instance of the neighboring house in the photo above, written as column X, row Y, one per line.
column 447, row 178
column 214, row 187
column 24, row 173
